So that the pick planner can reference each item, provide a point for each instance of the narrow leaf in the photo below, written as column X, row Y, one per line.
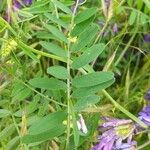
column 147, row 3
column 47, row 83
column 47, row 135
column 85, row 38
column 38, row 7
column 27, row 50
column 62, row 7
column 79, row 28
column 22, row 94
column 53, row 48
column 58, row 72
column 4, row 113
column 57, row 33
column 47, row 122
column 46, row 128
column 6, row 132
column 132, row 17
column 56, row 20
column 88, row 56
column 84, row 15
column 86, row 101
column 82, row 92
column 92, row 79
column 13, row 143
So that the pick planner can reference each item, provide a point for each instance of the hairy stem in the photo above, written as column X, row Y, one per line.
column 69, row 77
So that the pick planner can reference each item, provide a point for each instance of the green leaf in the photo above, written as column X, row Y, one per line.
column 86, row 101
column 82, row 92
column 92, row 79
column 38, row 7
column 13, row 143
column 47, row 135
column 42, row 109
column 30, row 108
column 88, row 56
column 46, row 128
column 55, row 49
column 6, row 132
column 129, row 2
column 56, row 33
column 79, row 28
column 147, row 3
column 132, row 17
column 17, row 87
column 4, row 113
column 45, row 35
column 84, row 15
column 27, row 50
column 58, row 72
column 139, row 4
column 48, row 83
column 62, row 7
column 143, row 19
column 3, row 25
column 85, row 38
column 56, row 20
column 47, row 122
column 22, row 94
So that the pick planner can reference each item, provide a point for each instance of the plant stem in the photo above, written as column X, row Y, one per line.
column 143, row 145
column 117, row 105
column 69, row 77
column 125, row 49
column 99, row 37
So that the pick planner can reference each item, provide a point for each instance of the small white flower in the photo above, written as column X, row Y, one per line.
column 81, row 125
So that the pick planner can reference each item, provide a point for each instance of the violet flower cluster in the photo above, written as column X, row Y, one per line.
column 116, row 135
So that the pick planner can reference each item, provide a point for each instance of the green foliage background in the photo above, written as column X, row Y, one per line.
column 57, row 63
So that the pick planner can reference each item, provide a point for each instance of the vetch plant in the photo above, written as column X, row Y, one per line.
column 62, row 68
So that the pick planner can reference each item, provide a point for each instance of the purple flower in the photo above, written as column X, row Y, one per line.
column 147, row 96
column 107, row 140
column 18, row 5
column 116, row 135
column 115, row 28
column 147, row 38
column 144, row 115
column 125, row 146
column 27, row 2
column 115, row 122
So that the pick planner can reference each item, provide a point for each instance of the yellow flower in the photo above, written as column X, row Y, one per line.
column 8, row 47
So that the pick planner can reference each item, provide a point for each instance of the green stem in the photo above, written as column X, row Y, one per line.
column 101, row 32
column 117, row 105
column 99, row 37
column 125, row 49
column 69, row 77
column 40, row 52
column 143, row 145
